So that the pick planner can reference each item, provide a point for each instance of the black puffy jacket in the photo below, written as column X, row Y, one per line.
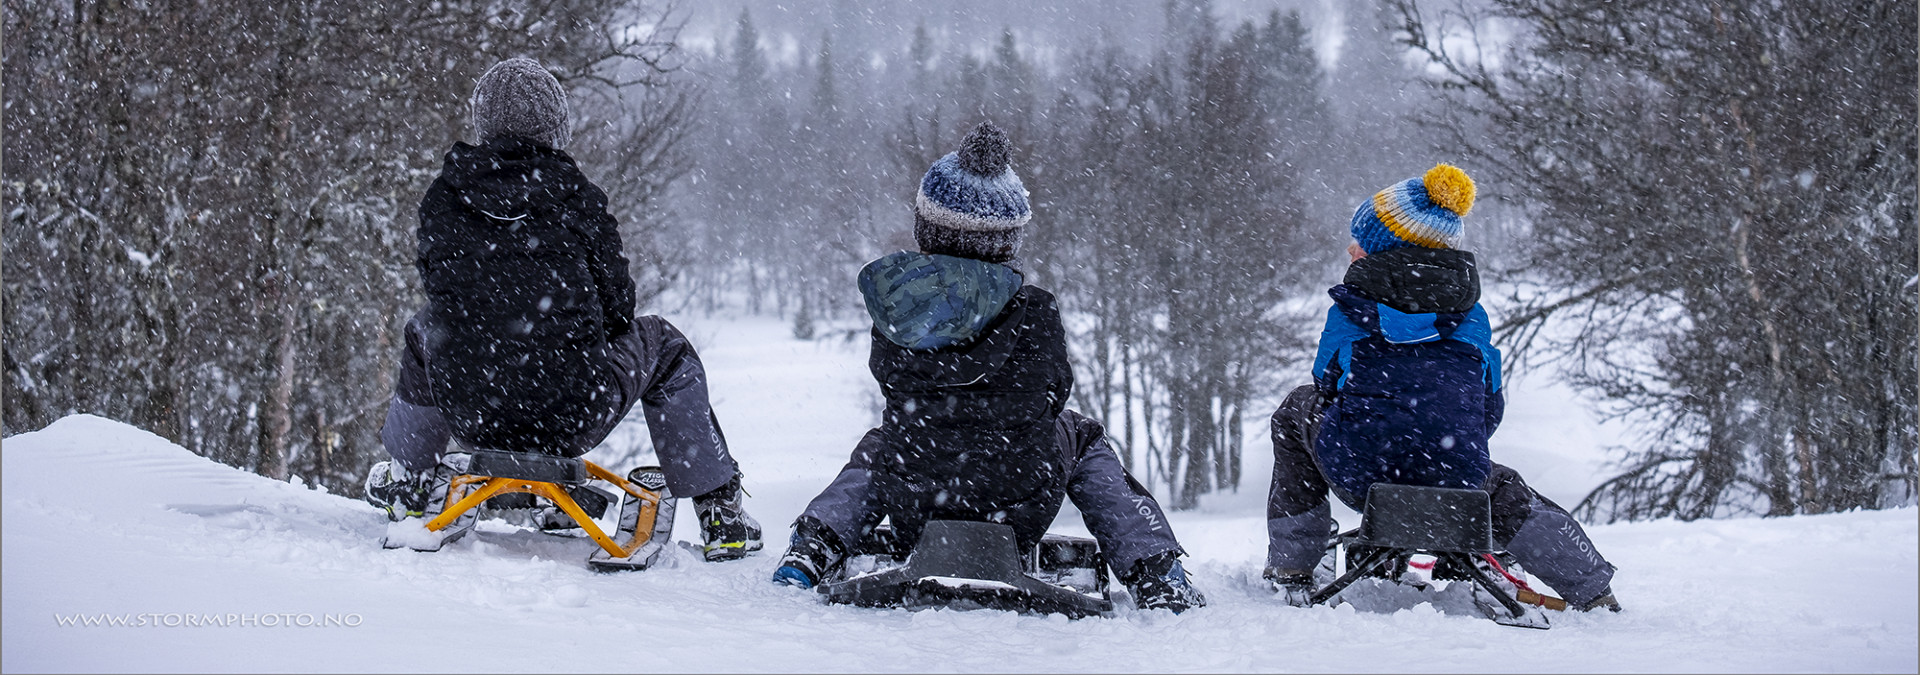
column 526, row 283
column 975, row 420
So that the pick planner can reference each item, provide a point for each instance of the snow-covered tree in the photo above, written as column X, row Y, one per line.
column 210, row 204
column 1720, row 199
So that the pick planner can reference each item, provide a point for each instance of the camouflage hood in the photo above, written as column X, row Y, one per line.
column 922, row 301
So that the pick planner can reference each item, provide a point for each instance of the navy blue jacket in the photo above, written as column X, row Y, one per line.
column 1413, row 380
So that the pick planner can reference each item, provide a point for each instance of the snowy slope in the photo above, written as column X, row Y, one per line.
column 101, row 519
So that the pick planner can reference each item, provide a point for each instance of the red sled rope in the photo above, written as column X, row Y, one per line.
column 1526, row 593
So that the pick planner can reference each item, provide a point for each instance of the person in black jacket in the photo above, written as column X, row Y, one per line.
column 528, row 341
column 972, row 361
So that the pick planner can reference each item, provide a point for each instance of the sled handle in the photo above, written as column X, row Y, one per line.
column 1527, row 595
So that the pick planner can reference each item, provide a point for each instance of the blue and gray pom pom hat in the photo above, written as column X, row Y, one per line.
column 971, row 203
column 1422, row 211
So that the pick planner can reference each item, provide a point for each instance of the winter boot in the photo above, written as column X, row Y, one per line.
column 1292, row 586
column 551, row 520
column 412, row 499
column 813, row 553
column 1605, row 601
column 1160, row 582
column 594, row 501
column 405, row 494
column 729, row 532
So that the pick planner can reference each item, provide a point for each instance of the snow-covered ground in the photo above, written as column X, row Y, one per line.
column 104, row 523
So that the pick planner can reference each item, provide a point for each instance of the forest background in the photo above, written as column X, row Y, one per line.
column 1701, row 213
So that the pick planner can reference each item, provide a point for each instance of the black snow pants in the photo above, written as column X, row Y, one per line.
column 1540, row 535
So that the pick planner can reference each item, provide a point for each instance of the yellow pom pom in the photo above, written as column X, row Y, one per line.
column 1449, row 187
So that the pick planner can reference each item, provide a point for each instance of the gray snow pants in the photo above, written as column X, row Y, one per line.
column 1121, row 514
column 657, row 368
column 1540, row 535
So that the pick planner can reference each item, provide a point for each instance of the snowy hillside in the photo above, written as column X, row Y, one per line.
column 107, row 523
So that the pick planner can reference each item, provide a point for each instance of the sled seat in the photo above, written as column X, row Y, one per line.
column 1427, row 519
column 969, row 565
column 1452, row 525
column 528, row 466
column 1062, row 560
column 564, row 481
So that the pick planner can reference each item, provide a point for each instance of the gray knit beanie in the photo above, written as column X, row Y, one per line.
column 517, row 97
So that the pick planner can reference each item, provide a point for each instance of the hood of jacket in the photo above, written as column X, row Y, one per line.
column 923, row 301
column 1416, row 280
column 509, row 177
column 1401, row 328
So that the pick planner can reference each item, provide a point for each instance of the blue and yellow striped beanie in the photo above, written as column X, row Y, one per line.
column 1423, row 211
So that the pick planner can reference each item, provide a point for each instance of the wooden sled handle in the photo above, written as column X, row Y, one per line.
column 1530, row 597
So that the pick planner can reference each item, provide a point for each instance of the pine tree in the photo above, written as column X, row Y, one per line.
column 749, row 61
column 920, row 56
column 826, row 91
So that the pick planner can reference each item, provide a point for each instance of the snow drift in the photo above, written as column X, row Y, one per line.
column 208, row 568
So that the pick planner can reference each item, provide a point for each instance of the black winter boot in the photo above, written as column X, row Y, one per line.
column 1292, row 586
column 814, row 553
column 405, row 494
column 1160, row 582
column 729, row 532
column 594, row 501
column 1605, row 601
column 414, row 499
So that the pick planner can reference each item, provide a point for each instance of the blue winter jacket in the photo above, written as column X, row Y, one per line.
column 1413, row 380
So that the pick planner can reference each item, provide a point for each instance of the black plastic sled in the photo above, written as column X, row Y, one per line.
column 1452, row 525
column 974, row 565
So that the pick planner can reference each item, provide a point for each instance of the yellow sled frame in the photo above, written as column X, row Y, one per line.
column 490, row 486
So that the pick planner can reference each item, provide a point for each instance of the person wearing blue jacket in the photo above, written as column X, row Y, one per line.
column 1406, row 390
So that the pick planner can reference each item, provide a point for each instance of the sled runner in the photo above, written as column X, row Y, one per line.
column 974, row 565
column 1452, row 525
column 645, row 525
